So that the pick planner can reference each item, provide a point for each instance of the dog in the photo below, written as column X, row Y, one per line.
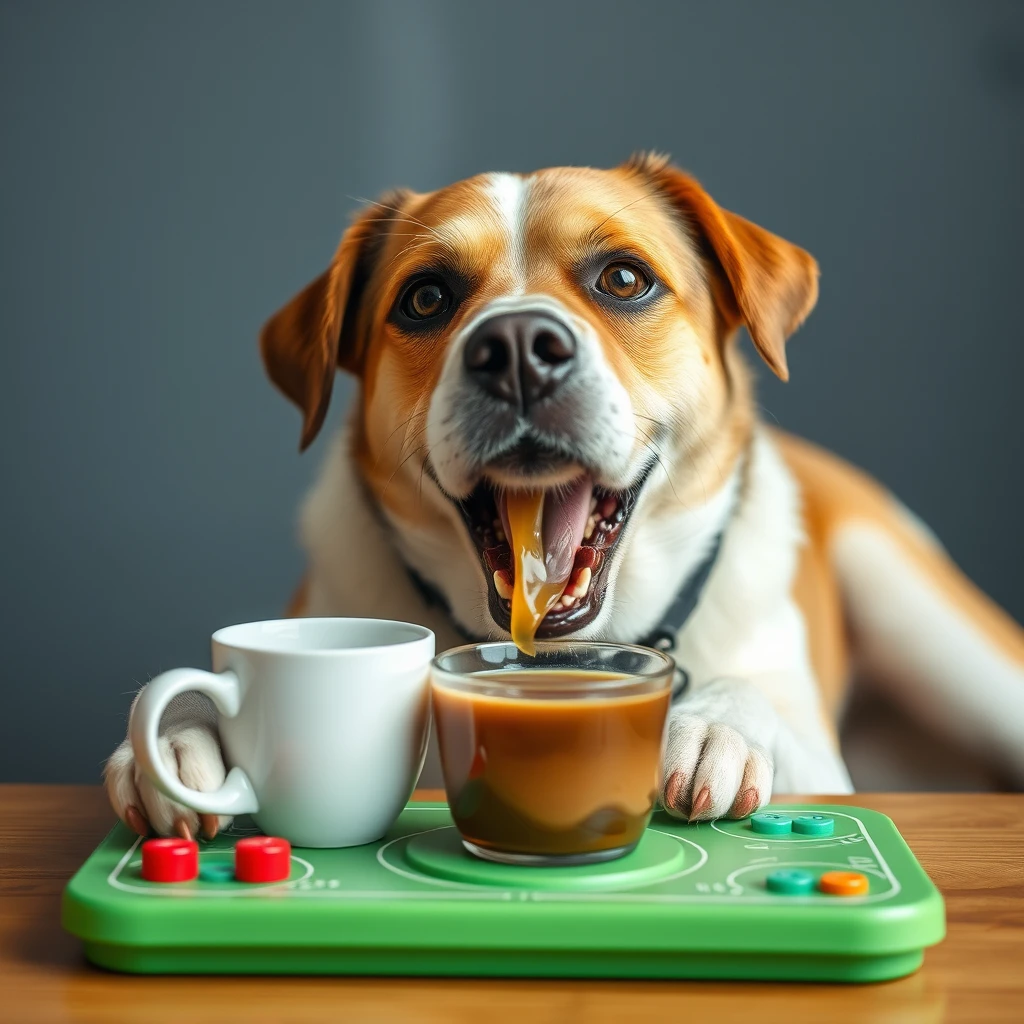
column 575, row 330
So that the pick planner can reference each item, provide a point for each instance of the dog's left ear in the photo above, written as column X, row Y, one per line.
column 306, row 341
column 772, row 284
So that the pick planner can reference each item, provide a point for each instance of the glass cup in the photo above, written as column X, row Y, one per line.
column 554, row 758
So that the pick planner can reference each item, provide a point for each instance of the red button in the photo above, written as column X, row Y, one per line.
column 170, row 860
column 263, row 859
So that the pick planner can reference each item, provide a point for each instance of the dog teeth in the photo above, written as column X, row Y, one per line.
column 502, row 586
column 577, row 589
column 591, row 526
column 580, row 584
column 593, row 503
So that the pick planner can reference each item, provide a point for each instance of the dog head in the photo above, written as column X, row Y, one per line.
column 570, row 330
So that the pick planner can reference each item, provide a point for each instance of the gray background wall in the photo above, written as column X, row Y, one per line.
column 171, row 174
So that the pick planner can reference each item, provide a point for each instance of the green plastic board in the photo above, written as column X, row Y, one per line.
column 691, row 901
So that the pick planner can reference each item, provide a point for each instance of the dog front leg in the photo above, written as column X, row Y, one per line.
column 190, row 748
column 728, row 747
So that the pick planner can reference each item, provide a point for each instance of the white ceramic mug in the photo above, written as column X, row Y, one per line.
column 323, row 722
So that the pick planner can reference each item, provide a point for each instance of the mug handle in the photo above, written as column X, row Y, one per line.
column 236, row 796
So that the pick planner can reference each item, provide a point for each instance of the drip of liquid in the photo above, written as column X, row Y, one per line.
column 535, row 591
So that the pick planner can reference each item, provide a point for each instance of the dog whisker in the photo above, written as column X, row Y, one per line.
column 387, row 440
column 402, row 215
column 593, row 237
column 411, row 455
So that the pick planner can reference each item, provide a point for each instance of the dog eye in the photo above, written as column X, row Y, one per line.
column 426, row 299
column 623, row 281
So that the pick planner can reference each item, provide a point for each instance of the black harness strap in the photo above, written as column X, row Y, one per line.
column 435, row 599
column 663, row 636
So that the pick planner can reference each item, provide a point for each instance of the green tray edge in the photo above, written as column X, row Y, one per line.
column 505, row 964
column 909, row 931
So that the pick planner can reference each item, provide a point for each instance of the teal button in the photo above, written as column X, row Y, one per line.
column 768, row 823
column 217, row 872
column 814, row 825
column 790, row 882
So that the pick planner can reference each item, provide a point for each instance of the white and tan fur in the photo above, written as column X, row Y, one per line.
column 814, row 557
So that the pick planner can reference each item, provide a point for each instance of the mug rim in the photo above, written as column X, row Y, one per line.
column 256, row 643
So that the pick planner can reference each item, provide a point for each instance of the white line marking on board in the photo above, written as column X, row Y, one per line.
column 481, row 893
column 759, row 839
column 429, row 879
column 488, row 893
column 546, row 895
column 114, row 880
column 737, row 887
column 747, row 900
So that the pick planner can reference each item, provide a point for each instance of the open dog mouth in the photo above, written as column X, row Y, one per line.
column 583, row 522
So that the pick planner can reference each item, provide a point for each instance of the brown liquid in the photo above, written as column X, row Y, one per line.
column 549, row 775
column 535, row 590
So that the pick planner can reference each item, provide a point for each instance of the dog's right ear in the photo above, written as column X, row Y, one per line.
column 305, row 342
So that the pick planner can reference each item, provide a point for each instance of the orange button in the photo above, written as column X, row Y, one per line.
column 843, row 883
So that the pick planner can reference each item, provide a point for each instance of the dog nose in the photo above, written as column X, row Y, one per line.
column 521, row 357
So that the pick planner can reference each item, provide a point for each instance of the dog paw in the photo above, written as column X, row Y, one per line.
column 712, row 771
column 193, row 754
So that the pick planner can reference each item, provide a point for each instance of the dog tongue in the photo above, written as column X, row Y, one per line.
column 544, row 528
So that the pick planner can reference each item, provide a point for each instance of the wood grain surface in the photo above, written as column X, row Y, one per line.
column 971, row 845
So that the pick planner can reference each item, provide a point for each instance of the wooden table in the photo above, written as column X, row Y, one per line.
column 972, row 846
